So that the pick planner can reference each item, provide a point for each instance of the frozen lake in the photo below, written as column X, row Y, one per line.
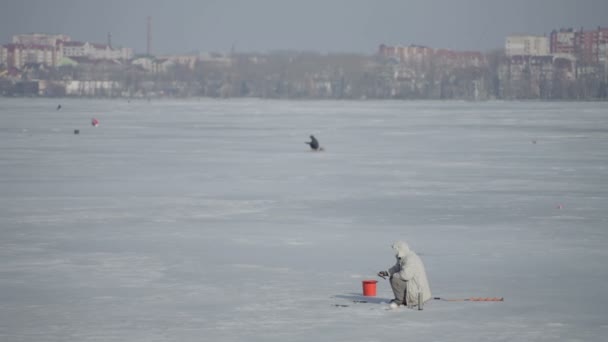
column 211, row 221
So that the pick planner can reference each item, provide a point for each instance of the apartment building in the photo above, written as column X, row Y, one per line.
column 18, row 55
column 588, row 47
column 40, row 39
column 527, row 45
column 95, row 51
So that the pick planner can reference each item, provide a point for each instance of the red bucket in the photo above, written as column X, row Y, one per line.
column 369, row 288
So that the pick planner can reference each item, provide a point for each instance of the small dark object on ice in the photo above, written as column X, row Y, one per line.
column 76, row 131
column 314, row 144
column 58, row 107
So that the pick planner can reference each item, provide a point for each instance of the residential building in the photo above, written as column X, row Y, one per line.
column 95, row 51
column 92, row 88
column 13, row 56
column 419, row 54
column 527, row 45
column 77, row 49
column 188, row 61
column 3, row 56
column 35, row 48
column 591, row 45
column 146, row 63
column 563, row 41
column 161, row 65
column 460, row 58
column 40, row 39
column 17, row 55
column 154, row 65
column 216, row 59
column 411, row 53
column 527, row 76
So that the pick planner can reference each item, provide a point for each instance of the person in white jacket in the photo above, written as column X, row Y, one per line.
column 407, row 276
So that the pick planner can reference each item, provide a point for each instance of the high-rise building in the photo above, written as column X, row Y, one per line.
column 563, row 41
column 527, row 45
column 588, row 47
column 591, row 45
column 40, row 39
column 38, row 48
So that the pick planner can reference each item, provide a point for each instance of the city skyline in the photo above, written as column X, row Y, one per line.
column 294, row 25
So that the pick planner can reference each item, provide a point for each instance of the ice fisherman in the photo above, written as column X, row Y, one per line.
column 407, row 276
column 314, row 143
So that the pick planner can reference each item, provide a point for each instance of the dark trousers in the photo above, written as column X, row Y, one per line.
column 399, row 289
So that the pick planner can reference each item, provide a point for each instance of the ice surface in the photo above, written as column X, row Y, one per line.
column 211, row 221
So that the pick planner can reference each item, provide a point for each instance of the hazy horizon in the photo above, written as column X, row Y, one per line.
column 356, row 26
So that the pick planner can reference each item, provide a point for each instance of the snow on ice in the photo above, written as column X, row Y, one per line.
column 210, row 220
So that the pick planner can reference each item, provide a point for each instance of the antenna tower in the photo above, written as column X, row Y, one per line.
column 149, row 36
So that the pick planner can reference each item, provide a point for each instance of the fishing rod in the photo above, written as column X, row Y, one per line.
column 472, row 299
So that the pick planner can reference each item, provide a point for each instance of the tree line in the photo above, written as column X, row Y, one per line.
column 310, row 75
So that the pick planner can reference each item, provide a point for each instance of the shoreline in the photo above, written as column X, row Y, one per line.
column 299, row 99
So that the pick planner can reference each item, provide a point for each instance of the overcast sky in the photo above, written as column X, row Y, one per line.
column 180, row 26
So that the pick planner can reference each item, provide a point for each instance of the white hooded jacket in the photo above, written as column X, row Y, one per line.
column 410, row 268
